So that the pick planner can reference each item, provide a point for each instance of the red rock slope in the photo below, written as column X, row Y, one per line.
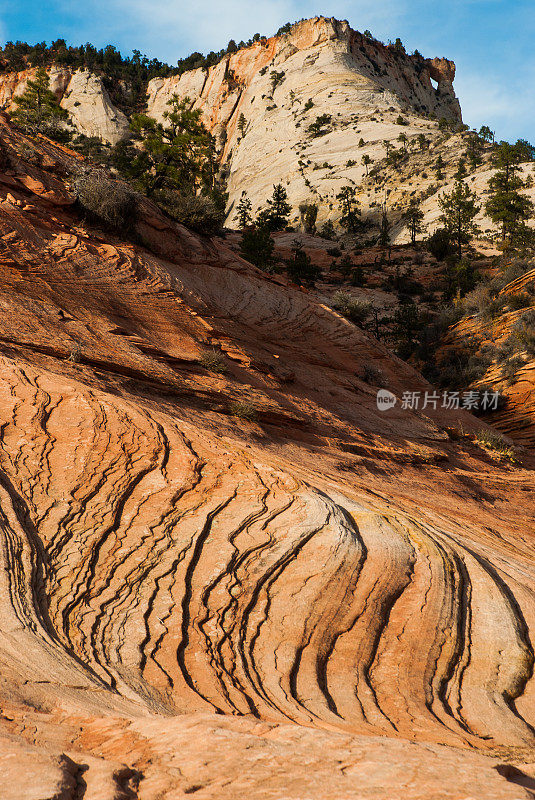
column 324, row 601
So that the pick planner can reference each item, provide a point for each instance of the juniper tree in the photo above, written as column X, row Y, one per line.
column 257, row 246
column 300, row 267
column 459, row 208
column 38, row 110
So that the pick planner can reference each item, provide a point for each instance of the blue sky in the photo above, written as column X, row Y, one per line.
column 491, row 41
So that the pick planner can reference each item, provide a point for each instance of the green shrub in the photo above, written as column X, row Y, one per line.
column 214, row 361
column 197, row 212
column 243, row 410
column 494, row 441
column 524, row 332
column 351, row 307
column 439, row 244
column 520, row 300
column 510, row 369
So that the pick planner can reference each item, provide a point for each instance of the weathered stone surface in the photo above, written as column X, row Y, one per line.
column 324, row 601
column 82, row 94
column 361, row 84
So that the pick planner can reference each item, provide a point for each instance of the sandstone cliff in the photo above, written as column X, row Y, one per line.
column 82, row 94
column 247, row 581
column 325, row 68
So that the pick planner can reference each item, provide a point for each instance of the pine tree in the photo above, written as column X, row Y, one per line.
column 38, row 110
column 349, row 205
column 300, row 267
column 275, row 217
column 459, row 208
column 366, row 160
column 177, row 154
column 414, row 218
column 507, row 207
column 439, row 166
column 486, row 134
column 244, row 211
column 423, row 141
column 242, row 124
column 257, row 246
column 384, row 229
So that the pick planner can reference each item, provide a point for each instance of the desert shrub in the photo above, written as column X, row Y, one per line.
column 213, row 361
column 477, row 300
column 243, row 410
column 439, row 244
column 510, row 369
column 494, row 441
column 374, row 376
column 197, row 212
column 520, row 300
column 458, row 368
column 523, row 332
column 351, row 307
column 110, row 202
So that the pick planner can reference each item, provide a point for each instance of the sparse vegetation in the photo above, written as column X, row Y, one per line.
column 243, row 409
column 214, row 361
column 494, row 441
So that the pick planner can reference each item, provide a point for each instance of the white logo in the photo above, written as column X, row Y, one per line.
column 385, row 400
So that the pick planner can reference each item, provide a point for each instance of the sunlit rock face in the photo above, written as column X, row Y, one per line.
column 82, row 94
column 317, row 599
column 324, row 68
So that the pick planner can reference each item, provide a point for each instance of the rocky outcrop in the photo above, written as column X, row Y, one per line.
column 82, row 94
column 249, row 579
column 324, row 68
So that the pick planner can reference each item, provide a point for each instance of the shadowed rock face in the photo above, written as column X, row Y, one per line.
column 325, row 601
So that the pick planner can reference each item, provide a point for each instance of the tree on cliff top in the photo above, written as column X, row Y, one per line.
column 38, row 110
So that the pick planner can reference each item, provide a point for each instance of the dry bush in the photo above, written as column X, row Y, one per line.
column 110, row 202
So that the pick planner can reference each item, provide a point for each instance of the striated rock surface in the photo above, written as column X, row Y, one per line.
column 319, row 599
column 82, row 94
